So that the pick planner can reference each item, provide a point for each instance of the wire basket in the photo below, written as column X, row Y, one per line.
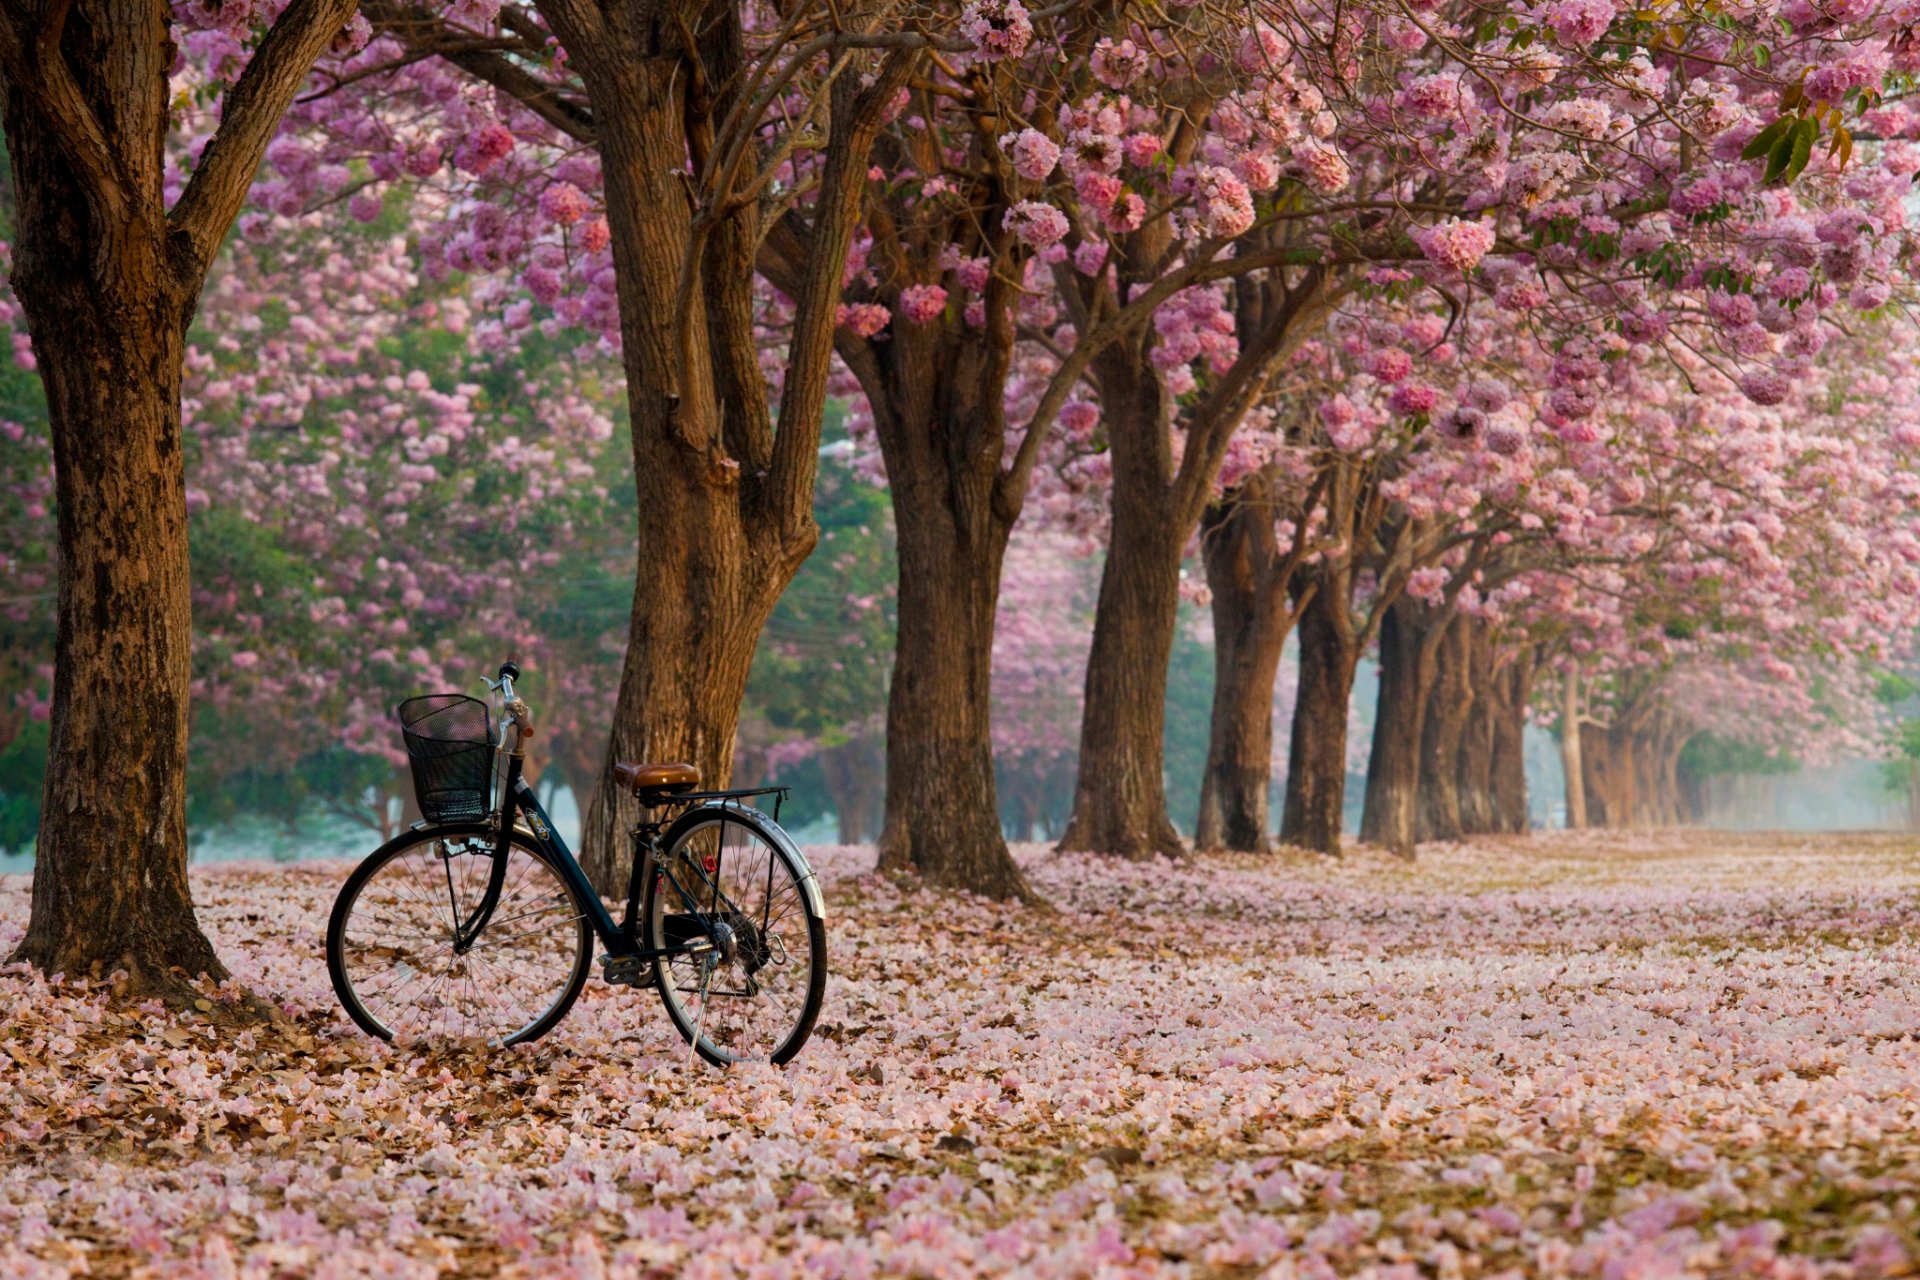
column 449, row 740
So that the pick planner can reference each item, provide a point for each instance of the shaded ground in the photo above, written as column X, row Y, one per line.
column 1612, row 1057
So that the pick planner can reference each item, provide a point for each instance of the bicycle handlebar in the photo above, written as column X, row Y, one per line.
column 510, row 703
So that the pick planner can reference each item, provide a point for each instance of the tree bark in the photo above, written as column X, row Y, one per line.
column 1572, row 763
column 725, row 502
column 942, row 810
column 1120, row 798
column 108, row 279
column 1247, row 575
column 1407, row 661
column 1449, row 702
column 1317, row 755
column 1514, row 686
column 938, row 397
column 1475, row 772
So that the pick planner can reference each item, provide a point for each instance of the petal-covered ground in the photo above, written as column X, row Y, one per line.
column 1593, row 1056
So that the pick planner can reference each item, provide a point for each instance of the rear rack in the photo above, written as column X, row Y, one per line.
column 732, row 795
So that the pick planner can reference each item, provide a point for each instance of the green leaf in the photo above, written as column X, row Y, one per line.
column 1763, row 141
column 1804, row 134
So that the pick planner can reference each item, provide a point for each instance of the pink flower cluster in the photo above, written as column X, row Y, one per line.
column 1456, row 244
column 997, row 29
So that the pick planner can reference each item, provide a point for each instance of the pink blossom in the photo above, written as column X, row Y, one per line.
column 1034, row 154
column 996, row 28
column 1036, row 223
column 1118, row 64
column 563, row 204
column 864, row 319
column 1225, row 205
column 1455, row 243
column 1321, row 167
column 1412, row 398
column 1390, row 365
column 486, row 146
column 922, row 303
column 1141, row 149
column 1126, row 214
column 1578, row 23
column 1765, row 386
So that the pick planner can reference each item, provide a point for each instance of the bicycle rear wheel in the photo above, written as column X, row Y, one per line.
column 390, row 945
column 731, row 877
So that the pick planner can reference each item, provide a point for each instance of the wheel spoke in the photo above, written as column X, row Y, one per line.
column 756, row 1004
column 397, row 959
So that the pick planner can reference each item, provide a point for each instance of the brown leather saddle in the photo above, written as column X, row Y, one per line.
column 652, row 783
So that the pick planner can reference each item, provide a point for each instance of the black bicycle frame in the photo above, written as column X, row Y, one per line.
column 620, row 940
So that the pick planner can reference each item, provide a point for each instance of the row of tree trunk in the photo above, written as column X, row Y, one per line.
column 1630, row 769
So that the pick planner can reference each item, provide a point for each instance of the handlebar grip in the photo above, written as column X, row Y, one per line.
column 509, row 671
column 521, row 717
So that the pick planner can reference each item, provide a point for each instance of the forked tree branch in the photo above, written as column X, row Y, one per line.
column 250, row 114
column 31, row 58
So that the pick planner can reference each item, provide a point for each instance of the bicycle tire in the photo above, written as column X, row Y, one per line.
column 806, row 902
column 407, row 841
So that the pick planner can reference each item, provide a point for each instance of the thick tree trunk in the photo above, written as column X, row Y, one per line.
column 1315, row 808
column 1475, row 772
column 1514, row 686
column 1120, row 799
column 110, row 890
column 1407, row 662
column 938, row 397
column 700, row 602
column 1449, row 703
column 1251, row 619
column 1571, row 763
column 725, row 503
column 942, row 811
column 108, row 279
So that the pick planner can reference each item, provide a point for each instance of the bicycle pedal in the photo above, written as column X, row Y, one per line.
column 626, row 971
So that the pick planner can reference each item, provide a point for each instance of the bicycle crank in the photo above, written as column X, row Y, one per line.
column 626, row 971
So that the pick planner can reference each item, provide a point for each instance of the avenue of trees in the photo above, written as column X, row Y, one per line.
column 787, row 386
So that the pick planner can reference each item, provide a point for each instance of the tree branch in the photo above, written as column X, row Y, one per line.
column 31, row 57
column 249, row 117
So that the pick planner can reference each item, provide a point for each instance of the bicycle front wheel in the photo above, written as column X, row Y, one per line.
column 729, row 878
column 390, row 943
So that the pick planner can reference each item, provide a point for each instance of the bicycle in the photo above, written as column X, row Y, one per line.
column 477, row 922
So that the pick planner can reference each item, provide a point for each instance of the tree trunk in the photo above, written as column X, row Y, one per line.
column 1514, row 686
column 938, row 398
column 1608, row 756
column 943, row 813
column 856, row 779
column 1407, row 660
column 108, row 279
column 1475, row 771
column 1571, row 763
column 1245, row 573
column 724, row 502
column 1120, row 798
column 1315, row 807
column 1449, row 702
column 110, row 885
